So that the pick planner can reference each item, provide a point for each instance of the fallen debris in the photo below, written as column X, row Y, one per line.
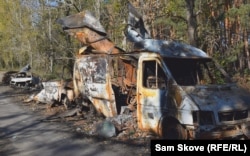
column 54, row 92
column 105, row 129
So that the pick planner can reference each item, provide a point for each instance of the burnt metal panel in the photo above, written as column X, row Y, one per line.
column 96, row 83
column 80, row 20
column 137, row 33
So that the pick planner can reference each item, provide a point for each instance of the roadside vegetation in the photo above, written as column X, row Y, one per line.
column 29, row 33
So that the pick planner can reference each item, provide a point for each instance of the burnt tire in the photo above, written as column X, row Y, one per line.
column 173, row 130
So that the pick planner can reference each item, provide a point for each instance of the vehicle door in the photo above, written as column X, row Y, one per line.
column 97, row 84
column 152, row 93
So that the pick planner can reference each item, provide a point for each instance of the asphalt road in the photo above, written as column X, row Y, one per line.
column 23, row 133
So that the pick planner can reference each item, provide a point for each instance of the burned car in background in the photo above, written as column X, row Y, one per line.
column 24, row 79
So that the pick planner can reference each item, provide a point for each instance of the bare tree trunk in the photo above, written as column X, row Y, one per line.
column 246, row 48
column 227, row 24
column 97, row 9
column 50, row 40
column 191, row 22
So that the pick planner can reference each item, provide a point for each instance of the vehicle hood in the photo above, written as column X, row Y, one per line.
column 219, row 97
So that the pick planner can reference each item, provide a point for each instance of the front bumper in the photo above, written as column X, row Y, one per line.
column 234, row 132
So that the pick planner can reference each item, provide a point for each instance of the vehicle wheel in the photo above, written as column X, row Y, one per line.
column 173, row 130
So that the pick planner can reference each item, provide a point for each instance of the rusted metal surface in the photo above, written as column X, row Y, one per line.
column 89, row 31
column 80, row 20
column 92, row 72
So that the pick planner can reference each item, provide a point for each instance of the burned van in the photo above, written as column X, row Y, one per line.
column 174, row 96
column 190, row 98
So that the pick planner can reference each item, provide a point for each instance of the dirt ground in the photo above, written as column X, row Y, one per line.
column 84, row 123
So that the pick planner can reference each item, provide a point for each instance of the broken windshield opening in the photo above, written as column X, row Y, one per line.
column 153, row 76
column 189, row 72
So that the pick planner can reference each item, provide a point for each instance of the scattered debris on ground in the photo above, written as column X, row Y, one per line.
column 120, row 128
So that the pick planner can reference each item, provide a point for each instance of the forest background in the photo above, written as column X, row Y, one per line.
column 29, row 33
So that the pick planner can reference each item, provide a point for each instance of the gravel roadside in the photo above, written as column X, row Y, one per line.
column 23, row 132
